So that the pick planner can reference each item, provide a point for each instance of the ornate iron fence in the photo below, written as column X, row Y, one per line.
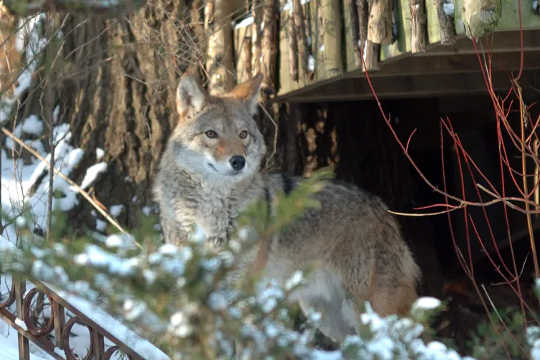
column 39, row 316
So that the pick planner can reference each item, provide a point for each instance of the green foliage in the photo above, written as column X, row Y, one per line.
column 506, row 339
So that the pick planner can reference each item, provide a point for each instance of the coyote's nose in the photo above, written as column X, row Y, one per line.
column 237, row 162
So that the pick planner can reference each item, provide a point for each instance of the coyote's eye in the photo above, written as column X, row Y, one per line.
column 243, row 134
column 210, row 134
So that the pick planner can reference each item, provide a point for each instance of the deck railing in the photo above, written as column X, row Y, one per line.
column 42, row 317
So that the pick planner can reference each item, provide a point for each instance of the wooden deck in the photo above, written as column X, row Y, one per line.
column 335, row 72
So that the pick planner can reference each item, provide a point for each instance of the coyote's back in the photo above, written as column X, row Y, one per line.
column 352, row 246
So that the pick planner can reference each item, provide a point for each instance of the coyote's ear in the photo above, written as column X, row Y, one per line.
column 190, row 96
column 249, row 92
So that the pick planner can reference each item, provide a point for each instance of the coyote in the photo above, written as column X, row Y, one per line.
column 353, row 247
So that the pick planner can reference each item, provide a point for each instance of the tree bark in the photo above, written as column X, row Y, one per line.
column 116, row 90
column 10, row 58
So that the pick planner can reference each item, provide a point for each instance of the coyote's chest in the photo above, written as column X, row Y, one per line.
column 215, row 213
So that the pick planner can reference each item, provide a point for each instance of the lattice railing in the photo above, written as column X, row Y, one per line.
column 42, row 317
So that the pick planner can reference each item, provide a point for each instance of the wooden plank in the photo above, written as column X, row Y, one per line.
column 407, row 87
column 411, row 67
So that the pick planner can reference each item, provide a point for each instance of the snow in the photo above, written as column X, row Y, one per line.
column 101, row 225
column 124, row 241
column 311, row 63
column 19, row 322
column 448, row 8
column 179, row 324
column 246, row 22
column 294, row 280
column 141, row 346
column 8, row 346
column 92, row 173
column 289, row 5
column 426, row 303
column 99, row 153
column 115, row 210
column 32, row 125
column 96, row 256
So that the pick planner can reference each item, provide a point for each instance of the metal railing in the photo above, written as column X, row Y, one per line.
column 39, row 316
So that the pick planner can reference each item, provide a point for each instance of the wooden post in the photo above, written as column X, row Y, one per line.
column 380, row 22
column 418, row 26
column 301, row 39
column 328, row 54
column 362, row 10
column 98, row 344
column 243, row 47
column 446, row 24
column 292, row 43
column 59, row 322
column 219, row 62
column 351, row 18
column 24, row 346
column 256, row 35
column 371, row 56
column 480, row 16
column 269, row 46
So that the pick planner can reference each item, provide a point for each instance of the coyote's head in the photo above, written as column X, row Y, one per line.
column 216, row 136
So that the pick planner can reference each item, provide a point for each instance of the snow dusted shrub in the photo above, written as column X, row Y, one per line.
column 187, row 301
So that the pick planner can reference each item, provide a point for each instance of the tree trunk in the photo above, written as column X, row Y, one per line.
column 10, row 58
column 116, row 90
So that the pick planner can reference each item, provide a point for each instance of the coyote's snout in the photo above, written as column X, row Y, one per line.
column 353, row 247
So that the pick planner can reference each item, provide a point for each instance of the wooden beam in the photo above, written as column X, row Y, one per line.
column 432, row 85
